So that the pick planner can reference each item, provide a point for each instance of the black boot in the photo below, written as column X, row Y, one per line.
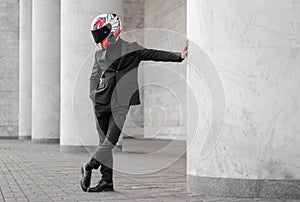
column 86, row 172
column 102, row 186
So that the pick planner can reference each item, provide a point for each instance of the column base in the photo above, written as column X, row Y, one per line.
column 89, row 149
column 245, row 188
column 71, row 148
column 49, row 141
column 9, row 137
column 24, row 137
column 118, row 148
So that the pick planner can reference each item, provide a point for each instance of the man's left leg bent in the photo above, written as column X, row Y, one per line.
column 104, row 151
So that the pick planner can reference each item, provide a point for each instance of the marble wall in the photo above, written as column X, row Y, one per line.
column 254, row 46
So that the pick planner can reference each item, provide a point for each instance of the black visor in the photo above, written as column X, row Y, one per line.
column 100, row 34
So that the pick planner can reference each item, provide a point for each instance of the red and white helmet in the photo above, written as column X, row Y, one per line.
column 106, row 28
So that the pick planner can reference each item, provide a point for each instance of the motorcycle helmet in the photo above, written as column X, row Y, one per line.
column 105, row 29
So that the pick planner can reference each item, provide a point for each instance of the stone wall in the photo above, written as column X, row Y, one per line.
column 133, row 23
column 133, row 14
column 165, row 89
column 9, row 67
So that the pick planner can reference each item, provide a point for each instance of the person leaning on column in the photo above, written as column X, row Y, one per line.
column 113, row 89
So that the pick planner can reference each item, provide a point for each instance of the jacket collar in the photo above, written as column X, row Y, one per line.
column 124, row 49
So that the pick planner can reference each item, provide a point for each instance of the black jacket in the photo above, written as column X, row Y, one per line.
column 127, row 87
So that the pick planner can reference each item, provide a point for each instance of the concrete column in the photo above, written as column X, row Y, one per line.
column 9, row 68
column 45, row 70
column 254, row 48
column 25, row 69
column 78, row 128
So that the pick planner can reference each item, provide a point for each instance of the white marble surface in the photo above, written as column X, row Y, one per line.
column 255, row 46
column 77, row 121
column 25, row 68
column 45, row 69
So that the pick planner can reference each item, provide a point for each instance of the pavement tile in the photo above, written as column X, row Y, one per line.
column 39, row 172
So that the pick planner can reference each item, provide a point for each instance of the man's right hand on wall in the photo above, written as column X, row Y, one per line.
column 185, row 49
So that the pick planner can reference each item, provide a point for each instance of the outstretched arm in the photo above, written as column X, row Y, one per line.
column 163, row 56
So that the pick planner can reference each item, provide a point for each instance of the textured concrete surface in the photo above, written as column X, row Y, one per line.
column 229, row 187
column 133, row 19
column 165, row 83
column 253, row 49
column 45, row 69
column 39, row 172
column 25, row 70
column 133, row 11
column 9, row 67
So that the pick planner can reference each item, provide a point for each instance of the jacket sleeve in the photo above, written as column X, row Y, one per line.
column 94, row 78
column 158, row 55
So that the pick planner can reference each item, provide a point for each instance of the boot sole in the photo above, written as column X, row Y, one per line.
column 108, row 189
column 102, row 190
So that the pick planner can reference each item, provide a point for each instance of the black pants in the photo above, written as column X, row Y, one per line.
column 110, row 121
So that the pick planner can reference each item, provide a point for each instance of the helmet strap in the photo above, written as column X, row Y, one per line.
column 112, row 38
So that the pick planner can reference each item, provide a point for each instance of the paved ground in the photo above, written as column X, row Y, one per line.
column 39, row 172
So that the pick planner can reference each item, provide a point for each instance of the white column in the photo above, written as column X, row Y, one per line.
column 9, row 69
column 77, row 120
column 254, row 48
column 45, row 70
column 25, row 69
